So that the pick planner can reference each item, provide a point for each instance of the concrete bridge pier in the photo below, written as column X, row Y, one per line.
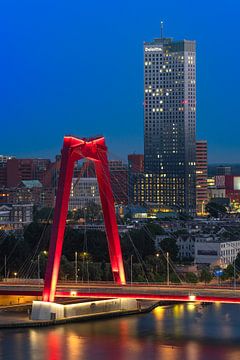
column 42, row 310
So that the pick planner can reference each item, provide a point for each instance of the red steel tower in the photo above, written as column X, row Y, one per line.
column 75, row 149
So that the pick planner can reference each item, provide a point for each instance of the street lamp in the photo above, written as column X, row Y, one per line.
column 5, row 266
column 38, row 266
column 234, row 274
column 168, row 268
column 131, row 267
column 157, row 255
column 76, row 266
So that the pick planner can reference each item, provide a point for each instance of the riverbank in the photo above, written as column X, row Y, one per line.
column 18, row 317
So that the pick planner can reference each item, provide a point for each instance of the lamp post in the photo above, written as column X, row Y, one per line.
column 42, row 253
column 5, row 266
column 234, row 274
column 76, row 267
column 157, row 255
column 38, row 266
column 167, row 268
column 131, row 269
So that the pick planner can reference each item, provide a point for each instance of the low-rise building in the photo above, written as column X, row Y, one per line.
column 186, row 246
column 83, row 191
column 15, row 216
column 219, row 252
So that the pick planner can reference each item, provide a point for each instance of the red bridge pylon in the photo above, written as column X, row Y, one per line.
column 75, row 149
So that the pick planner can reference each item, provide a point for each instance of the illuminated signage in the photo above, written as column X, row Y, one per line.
column 236, row 183
column 153, row 49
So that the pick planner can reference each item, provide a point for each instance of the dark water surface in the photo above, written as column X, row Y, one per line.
column 184, row 331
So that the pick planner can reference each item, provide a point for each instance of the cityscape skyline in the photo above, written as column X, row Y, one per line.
column 119, row 180
column 56, row 65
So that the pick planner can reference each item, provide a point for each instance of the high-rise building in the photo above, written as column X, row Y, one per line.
column 119, row 181
column 224, row 170
column 201, row 176
column 26, row 169
column 135, row 177
column 3, row 169
column 170, row 121
column 136, row 163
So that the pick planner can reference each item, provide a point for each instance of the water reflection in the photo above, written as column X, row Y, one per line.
column 184, row 331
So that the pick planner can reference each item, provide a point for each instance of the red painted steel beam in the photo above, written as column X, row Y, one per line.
column 59, row 221
column 76, row 149
column 141, row 296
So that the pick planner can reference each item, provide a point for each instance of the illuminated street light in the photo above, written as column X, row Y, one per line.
column 131, row 269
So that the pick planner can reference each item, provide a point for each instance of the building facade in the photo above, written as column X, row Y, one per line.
column 83, row 192
column 25, row 169
column 3, row 169
column 15, row 216
column 220, row 252
column 119, row 181
column 170, row 121
column 136, row 163
column 201, row 176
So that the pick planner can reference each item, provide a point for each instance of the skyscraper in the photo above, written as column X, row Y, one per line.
column 170, row 121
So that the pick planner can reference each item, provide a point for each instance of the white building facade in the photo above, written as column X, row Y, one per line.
column 220, row 252
column 83, row 192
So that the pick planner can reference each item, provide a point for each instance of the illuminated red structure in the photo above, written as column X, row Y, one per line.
column 75, row 149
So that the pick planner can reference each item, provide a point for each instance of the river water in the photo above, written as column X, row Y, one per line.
column 183, row 331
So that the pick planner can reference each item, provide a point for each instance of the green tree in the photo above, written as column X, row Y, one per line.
column 67, row 269
column 205, row 276
column 170, row 245
column 43, row 214
column 190, row 277
column 215, row 210
column 174, row 278
column 228, row 273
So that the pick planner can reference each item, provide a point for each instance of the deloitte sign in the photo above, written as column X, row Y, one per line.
column 153, row 49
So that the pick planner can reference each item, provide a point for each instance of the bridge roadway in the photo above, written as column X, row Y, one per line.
column 173, row 292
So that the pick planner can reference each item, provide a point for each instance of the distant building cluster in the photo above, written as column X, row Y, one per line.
column 205, row 243
column 169, row 179
column 25, row 183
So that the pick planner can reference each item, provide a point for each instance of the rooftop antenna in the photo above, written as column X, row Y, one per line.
column 161, row 27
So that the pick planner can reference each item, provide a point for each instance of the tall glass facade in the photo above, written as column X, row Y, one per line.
column 170, row 122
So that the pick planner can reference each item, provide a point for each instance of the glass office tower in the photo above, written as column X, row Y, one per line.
column 170, row 123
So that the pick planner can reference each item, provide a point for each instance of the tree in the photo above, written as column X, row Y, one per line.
column 174, row 278
column 43, row 215
column 92, row 212
column 67, row 269
column 170, row 245
column 237, row 261
column 155, row 229
column 228, row 273
column 215, row 210
column 205, row 276
column 191, row 277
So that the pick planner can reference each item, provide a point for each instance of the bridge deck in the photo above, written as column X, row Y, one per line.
column 137, row 291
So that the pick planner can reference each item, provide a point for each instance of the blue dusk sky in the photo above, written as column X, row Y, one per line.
column 76, row 67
